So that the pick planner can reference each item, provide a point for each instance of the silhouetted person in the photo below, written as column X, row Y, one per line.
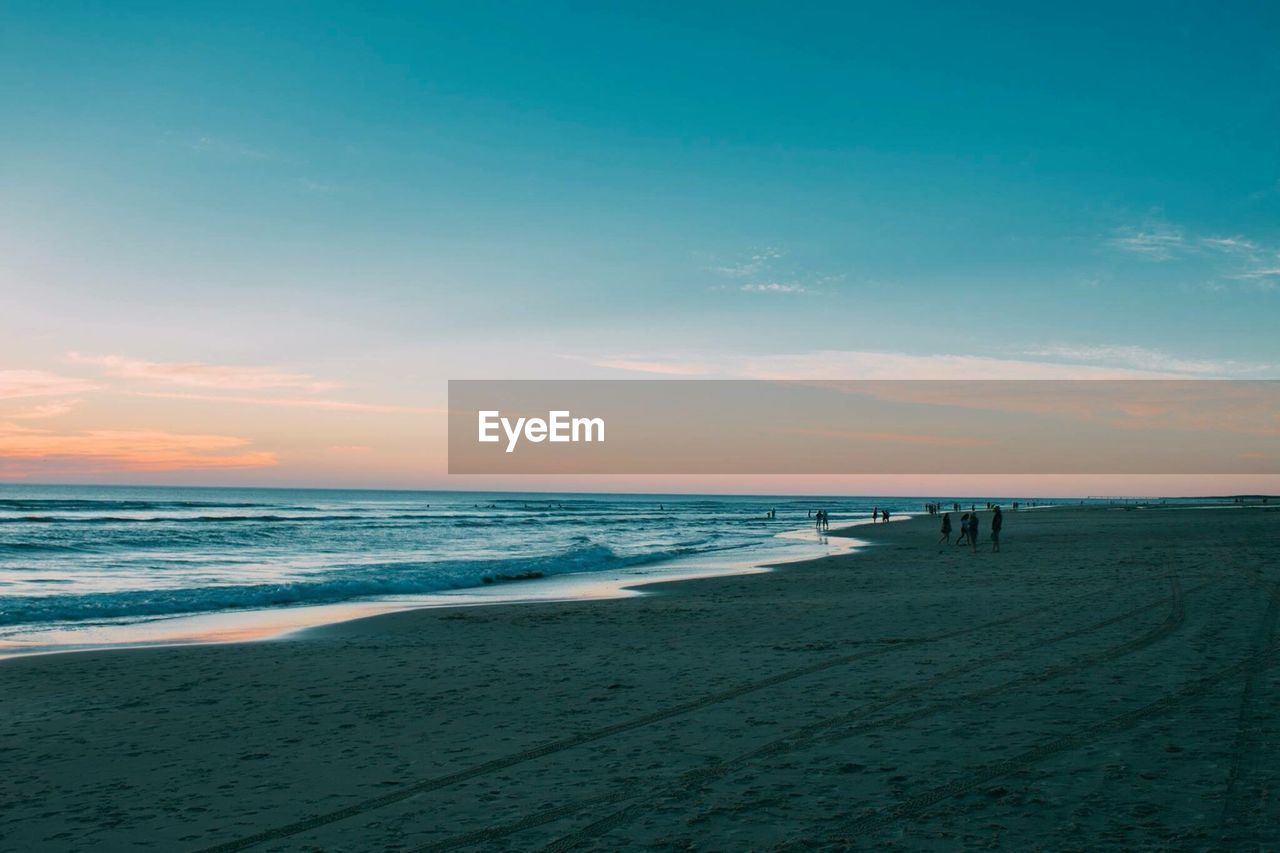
column 963, row 536
column 997, row 521
column 946, row 529
column 973, row 531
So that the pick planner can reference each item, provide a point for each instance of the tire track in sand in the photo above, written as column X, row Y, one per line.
column 914, row 806
column 687, row 784
column 411, row 789
column 1244, row 803
column 1263, row 657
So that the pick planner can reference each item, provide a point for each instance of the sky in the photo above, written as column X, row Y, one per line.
column 249, row 244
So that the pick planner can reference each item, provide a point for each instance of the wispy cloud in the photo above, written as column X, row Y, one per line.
column 754, row 264
column 198, row 374
column 657, row 366
column 1260, row 276
column 1260, row 272
column 43, row 410
column 1224, row 258
column 863, row 364
column 763, row 272
column 40, row 383
column 125, row 450
column 775, row 287
column 293, row 402
column 1255, row 264
column 216, row 383
column 1142, row 358
column 1156, row 241
column 1232, row 245
column 1065, row 362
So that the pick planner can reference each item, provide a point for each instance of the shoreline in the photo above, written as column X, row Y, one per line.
column 230, row 627
column 1102, row 666
column 285, row 623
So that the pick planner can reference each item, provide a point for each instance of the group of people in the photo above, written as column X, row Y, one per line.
column 969, row 528
column 968, row 531
column 822, row 520
column 878, row 514
column 935, row 509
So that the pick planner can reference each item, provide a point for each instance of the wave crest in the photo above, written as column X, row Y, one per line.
column 367, row 581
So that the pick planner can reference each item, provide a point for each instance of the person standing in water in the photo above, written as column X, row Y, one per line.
column 946, row 529
column 997, row 521
column 875, row 514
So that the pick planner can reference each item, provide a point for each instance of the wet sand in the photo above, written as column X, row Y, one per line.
column 1109, row 681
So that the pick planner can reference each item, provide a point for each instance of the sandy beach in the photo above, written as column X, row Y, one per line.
column 1105, row 682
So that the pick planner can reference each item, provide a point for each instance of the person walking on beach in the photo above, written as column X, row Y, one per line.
column 884, row 513
column 875, row 514
column 946, row 529
column 973, row 531
column 997, row 521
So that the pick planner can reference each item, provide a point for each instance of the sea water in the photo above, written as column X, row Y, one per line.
column 74, row 559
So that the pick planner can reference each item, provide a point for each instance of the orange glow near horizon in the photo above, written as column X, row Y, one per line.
column 130, row 421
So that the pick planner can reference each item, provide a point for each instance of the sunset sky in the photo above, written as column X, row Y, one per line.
column 250, row 245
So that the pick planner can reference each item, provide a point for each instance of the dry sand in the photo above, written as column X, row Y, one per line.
column 1107, row 681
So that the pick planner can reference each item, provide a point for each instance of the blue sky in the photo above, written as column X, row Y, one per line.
column 388, row 196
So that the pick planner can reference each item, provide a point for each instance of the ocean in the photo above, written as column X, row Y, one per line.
column 75, row 558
